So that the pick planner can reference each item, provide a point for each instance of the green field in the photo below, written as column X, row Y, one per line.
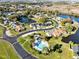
column 7, row 51
column 1, row 31
column 66, row 52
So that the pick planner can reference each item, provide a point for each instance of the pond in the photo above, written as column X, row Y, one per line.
column 24, row 19
column 75, row 37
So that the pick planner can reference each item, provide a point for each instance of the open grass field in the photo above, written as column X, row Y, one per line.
column 7, row 51
column 66, row 52
column 1, row 31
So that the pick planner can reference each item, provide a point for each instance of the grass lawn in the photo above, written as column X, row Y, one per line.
column 7, row 51
column 1, row 31
column 13, row 32
column 66, row 54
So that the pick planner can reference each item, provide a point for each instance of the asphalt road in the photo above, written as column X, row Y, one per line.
column 33, row 31
column 17, row 46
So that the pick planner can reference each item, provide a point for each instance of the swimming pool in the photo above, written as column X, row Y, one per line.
column 39, row 45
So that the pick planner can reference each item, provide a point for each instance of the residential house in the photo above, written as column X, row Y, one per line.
column 8, row 13
column 17, row 28
column 5, row 20
column 41, row 25
column 21, row 7
column 58, row 32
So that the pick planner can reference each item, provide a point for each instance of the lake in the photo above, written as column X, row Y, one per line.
column 75, row 37
column 24, row 19
column 72, row 17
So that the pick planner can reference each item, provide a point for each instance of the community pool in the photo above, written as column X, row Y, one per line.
column 39, row 45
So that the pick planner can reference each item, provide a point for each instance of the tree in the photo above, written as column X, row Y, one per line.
column 68, row 27
column 27, row 12
column 57, row 47
column 41, row 19
column 1, row 9
column 45, row 50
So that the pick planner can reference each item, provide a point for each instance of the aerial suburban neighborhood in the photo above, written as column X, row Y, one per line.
column 44, row 29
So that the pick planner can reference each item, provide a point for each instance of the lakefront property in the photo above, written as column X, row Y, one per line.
column 39, row 30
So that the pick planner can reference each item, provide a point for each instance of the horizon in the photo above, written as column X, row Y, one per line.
column 38, row 0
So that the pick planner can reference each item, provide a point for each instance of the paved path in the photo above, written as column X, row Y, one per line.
column 31, row 31
column 17, row 46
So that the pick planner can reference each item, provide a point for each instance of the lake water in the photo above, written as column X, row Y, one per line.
column 24, row 19
column 72, row 17
column 75, row 37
